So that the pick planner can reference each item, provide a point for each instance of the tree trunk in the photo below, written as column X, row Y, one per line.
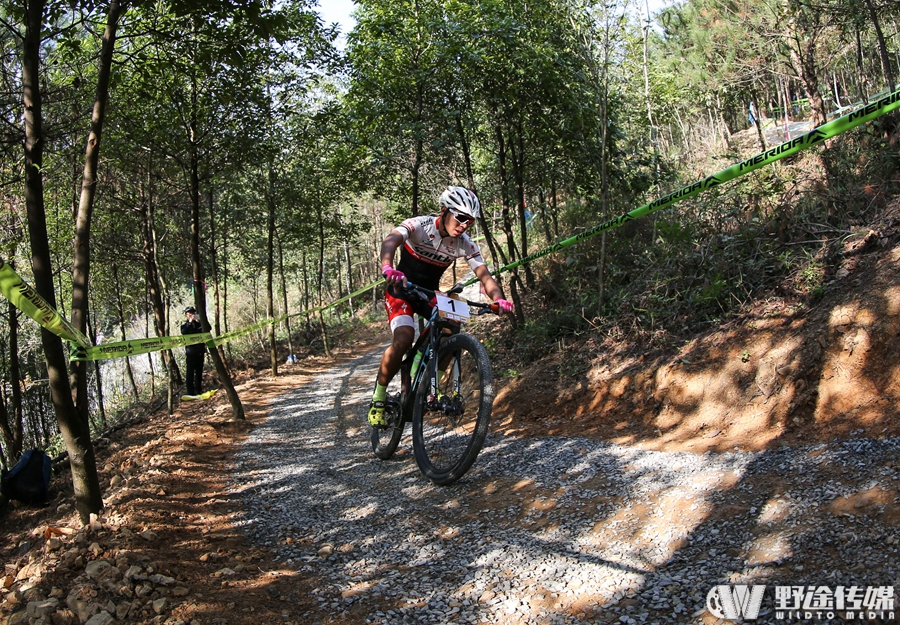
column 284, row 297
column 724, row 130
column 121, row 313
column 5, row 428
column 754, row 117
column 837, row 90
column 417, row 163
column 155, row 282
column 555, row 211
column 75, row 429
column 81, row 266
column 224, row 279
column 518, row 160
column 306, row 298
column 348, row 261
column 604, row 181
column 497, row 256
column 803, row 44
column 101, row 408
column 545, row 216
column 861, row 73
column 882, row 47
column 320, row 286
column 150, row 365
column 645, row 33
column 339, row 272
column 12, row 421
column 270, row 272
column 507, row 224
column 214, row 264
column 237, row 408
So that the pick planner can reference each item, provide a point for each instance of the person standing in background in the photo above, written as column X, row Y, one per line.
column 194, row 354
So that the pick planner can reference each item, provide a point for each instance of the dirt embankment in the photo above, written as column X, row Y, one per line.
column 786, row 373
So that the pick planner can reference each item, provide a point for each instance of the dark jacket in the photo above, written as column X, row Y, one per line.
column 193, row 327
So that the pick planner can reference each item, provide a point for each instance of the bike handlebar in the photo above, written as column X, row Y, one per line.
column 428, row 295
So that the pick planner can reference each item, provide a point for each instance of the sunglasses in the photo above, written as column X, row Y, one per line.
column 464, row 220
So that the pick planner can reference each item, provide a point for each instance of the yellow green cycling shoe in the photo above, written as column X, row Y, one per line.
column 376, row 415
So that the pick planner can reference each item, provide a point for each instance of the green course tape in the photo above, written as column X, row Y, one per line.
column 230, row 336
column 144, row 346
column 826, row 131
column 122, row 349
column 26, row 299
column 357, row 292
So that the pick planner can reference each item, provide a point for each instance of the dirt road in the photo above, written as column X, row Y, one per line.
column 557, row 529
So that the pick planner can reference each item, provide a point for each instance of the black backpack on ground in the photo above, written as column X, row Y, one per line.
column 29, row 480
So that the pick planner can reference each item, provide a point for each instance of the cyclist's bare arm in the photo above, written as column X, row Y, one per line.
column 389, row 246
column 490, row 285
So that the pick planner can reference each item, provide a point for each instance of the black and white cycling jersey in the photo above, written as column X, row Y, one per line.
column 426, row 254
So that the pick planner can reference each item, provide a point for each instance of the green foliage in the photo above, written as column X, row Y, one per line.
column 243, row 110
column 708, row 258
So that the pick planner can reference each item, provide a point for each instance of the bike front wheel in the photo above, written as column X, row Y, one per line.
column 449, row 429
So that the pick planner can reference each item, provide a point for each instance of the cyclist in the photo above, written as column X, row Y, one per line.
column 430, row 245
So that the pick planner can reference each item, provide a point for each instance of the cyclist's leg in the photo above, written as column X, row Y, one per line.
column 403, row 337
column 386, row 416
column 403, row 333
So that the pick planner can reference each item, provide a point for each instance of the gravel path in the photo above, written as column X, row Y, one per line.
column 555, row 530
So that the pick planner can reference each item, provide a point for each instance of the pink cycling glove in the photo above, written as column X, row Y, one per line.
column 505, row 306
column 392, row 275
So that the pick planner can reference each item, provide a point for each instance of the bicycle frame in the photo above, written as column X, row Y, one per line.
column 426, row 365
column 447, row 446
column 408, row 384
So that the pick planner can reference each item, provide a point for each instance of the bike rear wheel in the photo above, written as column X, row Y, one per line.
column 448, row 433
column 386, row 440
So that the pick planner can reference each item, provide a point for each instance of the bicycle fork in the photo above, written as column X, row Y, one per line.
column 449, row 403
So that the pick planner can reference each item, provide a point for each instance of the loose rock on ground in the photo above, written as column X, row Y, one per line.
column 553, row 529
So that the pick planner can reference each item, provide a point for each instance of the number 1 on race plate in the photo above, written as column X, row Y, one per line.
column 453, row 309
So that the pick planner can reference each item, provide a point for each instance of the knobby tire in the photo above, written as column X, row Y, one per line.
column 447, row 442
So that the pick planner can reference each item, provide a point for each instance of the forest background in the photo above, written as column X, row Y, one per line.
column 231, row 156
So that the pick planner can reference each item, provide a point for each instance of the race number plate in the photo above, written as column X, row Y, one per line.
column 452, row 309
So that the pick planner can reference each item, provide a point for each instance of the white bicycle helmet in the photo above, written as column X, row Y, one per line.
column 461, row 200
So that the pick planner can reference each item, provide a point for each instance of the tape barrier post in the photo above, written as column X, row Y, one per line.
column 26, row 299
column 828, row 130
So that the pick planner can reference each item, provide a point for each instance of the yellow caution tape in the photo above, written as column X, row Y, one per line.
column 26, row 299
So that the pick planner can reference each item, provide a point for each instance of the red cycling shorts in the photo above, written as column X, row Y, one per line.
column 400, row 312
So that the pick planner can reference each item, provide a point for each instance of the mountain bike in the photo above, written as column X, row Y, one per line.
column 446, row 391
